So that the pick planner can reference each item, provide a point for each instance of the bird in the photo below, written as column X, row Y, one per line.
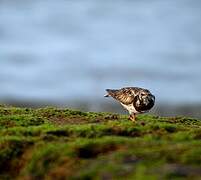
column 135, row 100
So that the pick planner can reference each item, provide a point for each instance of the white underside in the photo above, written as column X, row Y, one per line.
column 130, row 108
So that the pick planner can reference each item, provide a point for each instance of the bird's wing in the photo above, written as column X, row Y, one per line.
column 124, row 95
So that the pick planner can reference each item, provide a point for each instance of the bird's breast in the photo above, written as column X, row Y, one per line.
column 130, row 108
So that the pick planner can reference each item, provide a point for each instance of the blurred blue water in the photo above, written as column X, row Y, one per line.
column 63, row 50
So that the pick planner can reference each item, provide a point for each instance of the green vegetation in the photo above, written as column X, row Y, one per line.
column 50, row 143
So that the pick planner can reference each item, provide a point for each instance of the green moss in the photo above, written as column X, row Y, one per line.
column 52, row 143
column 44, row 158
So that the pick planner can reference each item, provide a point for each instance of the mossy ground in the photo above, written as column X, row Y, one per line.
column 52, row 143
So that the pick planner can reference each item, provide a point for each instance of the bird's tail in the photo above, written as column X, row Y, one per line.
column 110, row 92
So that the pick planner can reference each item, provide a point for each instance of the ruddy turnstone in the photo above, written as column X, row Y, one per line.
column 136, row 100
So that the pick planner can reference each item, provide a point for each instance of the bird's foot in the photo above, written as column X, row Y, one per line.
column 132, row 117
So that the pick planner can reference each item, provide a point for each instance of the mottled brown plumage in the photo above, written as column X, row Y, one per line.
column 136, row 100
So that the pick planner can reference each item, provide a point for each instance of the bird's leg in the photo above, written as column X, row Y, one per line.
column 132, row 117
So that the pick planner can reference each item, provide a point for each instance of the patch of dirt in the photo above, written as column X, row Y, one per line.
column 93, row 151
column 68, row 120
column 62, row 120
column 181, row 170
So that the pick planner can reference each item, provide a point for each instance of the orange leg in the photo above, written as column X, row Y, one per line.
column 132, row 117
